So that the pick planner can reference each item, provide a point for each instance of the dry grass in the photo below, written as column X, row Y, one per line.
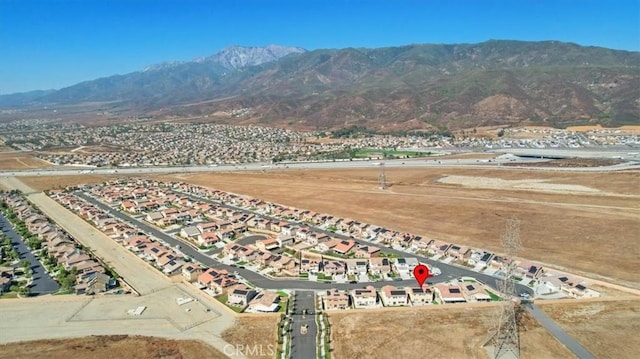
column 255, row 331
column 107, row 347
column 560, row 228
column 42, row 183
column 606, row 329
column 451, row 332
column 20, row 161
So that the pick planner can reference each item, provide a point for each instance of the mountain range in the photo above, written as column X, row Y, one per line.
column 408, row 87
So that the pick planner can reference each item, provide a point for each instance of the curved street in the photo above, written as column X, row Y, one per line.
column 448, row 271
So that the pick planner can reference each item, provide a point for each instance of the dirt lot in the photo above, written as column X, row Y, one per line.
column 20, row 161
column 440, row 332
column 557, row 227
column 42, row 183
column 607, row 329
column 107, row 347
column 255, row 331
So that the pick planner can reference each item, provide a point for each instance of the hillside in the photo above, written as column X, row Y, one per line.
column 416, row 86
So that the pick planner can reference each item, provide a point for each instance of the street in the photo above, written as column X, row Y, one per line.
column 555, row 330
column 448, row 271
column 303, row 346
column 42, row 281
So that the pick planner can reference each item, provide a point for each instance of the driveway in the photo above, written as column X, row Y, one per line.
column 42, row 282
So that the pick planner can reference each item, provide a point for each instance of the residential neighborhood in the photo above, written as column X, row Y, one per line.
column 74, row 268
column 281, row 242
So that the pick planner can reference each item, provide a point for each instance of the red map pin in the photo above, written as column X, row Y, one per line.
column 421, row 272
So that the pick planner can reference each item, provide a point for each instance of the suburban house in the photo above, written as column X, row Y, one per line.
column 344, row 247
column 460, row 253
column 283, row 240
column 357, row 266
column 191, row 272
column 529, row 270
column 366, row 252
column 393, row 297
column 335, row 299
column 364, row 298
column 474, row 292
column 189, row 232
column 207, row 239
column 267, row 244
column 333, row 268
column 449, row 293
column 94, row 284
column 308, row 265
column 379, row 266
column 421, row 296
column 240, row 295
column 405, row 264
column 438, row 248
column 264, row 302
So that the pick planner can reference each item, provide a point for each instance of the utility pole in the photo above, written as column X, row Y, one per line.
column 504, row 339
column 382, row 178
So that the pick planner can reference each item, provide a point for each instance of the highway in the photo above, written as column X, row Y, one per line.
column 435, row 161
column 553, row 328
column 448, row 271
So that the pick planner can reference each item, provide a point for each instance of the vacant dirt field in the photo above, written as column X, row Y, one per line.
column 107, row 347
column 582, row 232
column 607, row 329
column 435, row 332
column 20, row 161
column 255, row 331
column 50, row 182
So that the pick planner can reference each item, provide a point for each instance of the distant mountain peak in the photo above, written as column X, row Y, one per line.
column 236, row 57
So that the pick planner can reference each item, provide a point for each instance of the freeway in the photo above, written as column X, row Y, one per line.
column 434, row 162
column 553, row 328
column 304, row 345
column 448, row 271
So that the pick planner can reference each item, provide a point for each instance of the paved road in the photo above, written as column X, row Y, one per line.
column 568, row 341
column 415, row 163
column 448, row 271
column 303, row 346
column 42, row 281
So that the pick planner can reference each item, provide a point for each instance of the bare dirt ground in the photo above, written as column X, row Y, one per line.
column 20, row 161
column 52, row 182
column 255, row 331
column 107, row 347
column 607, row 329
column 451, row 332
column 581, row 232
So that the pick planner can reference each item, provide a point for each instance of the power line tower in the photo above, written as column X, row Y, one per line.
column 382, row 178
column 504, row 337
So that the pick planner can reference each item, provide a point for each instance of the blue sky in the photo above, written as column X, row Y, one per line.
column 56, row 43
